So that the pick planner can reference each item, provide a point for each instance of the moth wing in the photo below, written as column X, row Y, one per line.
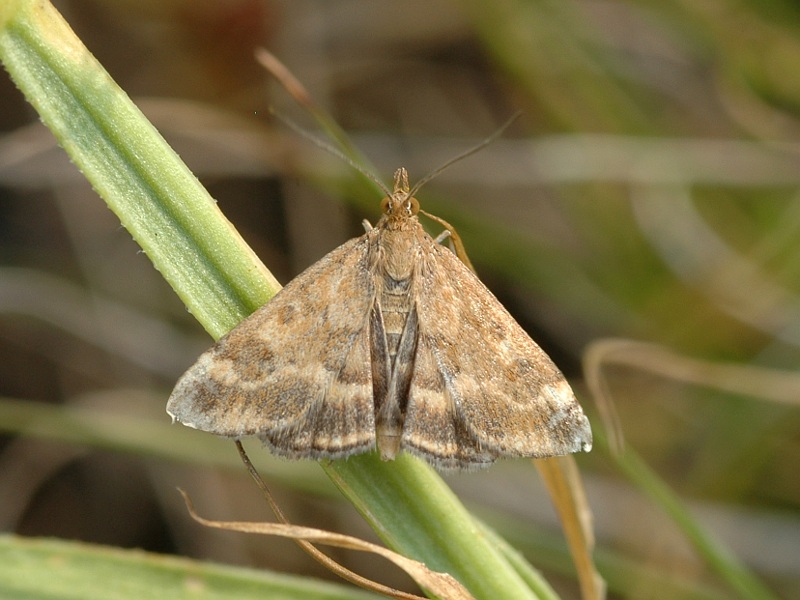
column 296, row 373
column 481, row 387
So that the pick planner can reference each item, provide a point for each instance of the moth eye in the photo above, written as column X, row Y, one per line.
column 412, row 206
column 385, row 206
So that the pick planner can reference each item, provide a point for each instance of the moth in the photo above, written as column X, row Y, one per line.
column 389, row 341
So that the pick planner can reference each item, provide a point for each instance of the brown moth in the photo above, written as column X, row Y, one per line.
column 388, row 341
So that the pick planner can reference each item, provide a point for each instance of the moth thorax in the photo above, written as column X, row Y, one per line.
column 398, row 254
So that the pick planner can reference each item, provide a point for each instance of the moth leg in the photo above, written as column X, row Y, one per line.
column 456, row 245
column 367, row 225
column 442, row 236
column 447, row 234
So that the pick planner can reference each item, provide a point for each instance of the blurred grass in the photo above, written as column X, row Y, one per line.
column 85, row 572
column 687, row 238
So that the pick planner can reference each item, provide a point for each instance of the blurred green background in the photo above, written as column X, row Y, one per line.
column 649, row 191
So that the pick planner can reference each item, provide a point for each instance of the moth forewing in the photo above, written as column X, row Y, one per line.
column 296, row 373
column 480, row 381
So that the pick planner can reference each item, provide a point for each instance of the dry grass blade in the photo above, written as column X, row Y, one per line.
column 593, row 359
column 440, row 584
column 301, row 95
column 296, row 89
column 782, row 387
column 770, row 384
column 312, row 550
column 563, row 481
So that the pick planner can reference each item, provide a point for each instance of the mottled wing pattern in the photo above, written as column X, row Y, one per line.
column 481, row 388
column 296, row 373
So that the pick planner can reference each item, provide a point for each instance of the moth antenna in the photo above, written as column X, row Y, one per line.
column 330, row 149
column 466, row 153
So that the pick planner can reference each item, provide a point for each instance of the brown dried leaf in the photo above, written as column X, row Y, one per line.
column 442, row 585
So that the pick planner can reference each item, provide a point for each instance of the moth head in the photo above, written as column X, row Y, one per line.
column 400, row 204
